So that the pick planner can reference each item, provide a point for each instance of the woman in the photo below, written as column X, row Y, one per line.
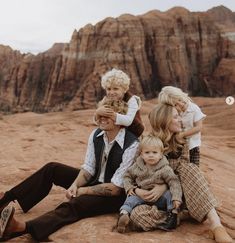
column 166, row 124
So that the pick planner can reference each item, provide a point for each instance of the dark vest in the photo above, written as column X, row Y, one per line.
column 137, row 126
column 114, row 158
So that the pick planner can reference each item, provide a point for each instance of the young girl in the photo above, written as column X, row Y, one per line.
column 116, row 84
column 191, row 115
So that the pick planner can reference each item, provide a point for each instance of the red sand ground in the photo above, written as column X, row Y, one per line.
column 30, row 140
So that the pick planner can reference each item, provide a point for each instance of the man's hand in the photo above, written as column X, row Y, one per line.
column 71, row 191
column 82, row 191
column 81, row 180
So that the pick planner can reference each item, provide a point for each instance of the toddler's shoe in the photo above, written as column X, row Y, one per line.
column 123, row 223
column 170, row 223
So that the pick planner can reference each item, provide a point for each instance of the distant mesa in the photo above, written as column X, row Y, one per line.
column 191, row 50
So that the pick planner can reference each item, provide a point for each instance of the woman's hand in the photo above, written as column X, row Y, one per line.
column 71, row 191
column 156, row 193
column 144, row 194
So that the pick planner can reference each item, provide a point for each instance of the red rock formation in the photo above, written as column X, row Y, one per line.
column 222, row 81
column 223, row 17
column 176, row 47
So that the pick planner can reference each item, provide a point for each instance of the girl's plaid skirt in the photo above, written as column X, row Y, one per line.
column 194, row 154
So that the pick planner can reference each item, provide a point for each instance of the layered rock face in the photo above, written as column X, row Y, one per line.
column 177, row 47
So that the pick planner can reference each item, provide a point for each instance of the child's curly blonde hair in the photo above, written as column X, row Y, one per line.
column 118, row 106
column 115, row 77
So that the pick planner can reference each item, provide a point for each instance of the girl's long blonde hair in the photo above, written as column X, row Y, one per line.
column 160, row 118
column 170, row 95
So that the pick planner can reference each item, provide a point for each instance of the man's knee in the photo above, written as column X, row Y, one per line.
column 49, row 168
column 51, row 164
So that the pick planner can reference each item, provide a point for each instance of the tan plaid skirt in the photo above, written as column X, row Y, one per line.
column 146, row 217
column 198, row 197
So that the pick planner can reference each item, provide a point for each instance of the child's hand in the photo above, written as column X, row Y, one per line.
column 131, row 192
column 180, row 137
column 105, row 111
column 176, row 204
column 101, row 111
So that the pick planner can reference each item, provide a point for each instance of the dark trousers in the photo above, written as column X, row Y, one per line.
column 37, row 186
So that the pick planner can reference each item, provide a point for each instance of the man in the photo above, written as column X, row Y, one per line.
column 94, row 190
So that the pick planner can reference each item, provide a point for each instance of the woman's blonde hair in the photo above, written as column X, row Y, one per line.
column 160, row 119
column 151, row 140
column 170, row 95
column 118, row 106
column 115, row 77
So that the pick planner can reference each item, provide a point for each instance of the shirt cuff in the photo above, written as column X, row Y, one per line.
column 88, row 169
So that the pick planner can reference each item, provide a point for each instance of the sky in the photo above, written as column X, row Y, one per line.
column 35, row 25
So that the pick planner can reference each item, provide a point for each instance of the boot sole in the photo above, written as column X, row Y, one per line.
column 6, row 216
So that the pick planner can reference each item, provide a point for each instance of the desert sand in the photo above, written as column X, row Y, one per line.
column 30, row 140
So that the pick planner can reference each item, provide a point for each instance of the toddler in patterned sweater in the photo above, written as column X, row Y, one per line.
column 150, row 170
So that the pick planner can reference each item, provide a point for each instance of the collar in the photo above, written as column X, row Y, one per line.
column 162, row 163
column 120, row 137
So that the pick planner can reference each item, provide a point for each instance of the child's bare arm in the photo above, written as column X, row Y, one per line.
column 196, row 128
column 127, row 119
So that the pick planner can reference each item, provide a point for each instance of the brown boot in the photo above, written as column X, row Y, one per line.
column 220, row 235
column 9, row 227
column 6, row 216
column 123, row 223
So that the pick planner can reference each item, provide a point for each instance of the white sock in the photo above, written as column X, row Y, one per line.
column 214, row 219
column 123, row 212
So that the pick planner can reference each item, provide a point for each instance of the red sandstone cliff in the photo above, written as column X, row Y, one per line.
column 195, row 51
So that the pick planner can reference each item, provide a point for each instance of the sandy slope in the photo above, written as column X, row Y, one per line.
column 30, row 140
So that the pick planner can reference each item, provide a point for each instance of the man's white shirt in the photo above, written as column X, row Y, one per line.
column 127, row 157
